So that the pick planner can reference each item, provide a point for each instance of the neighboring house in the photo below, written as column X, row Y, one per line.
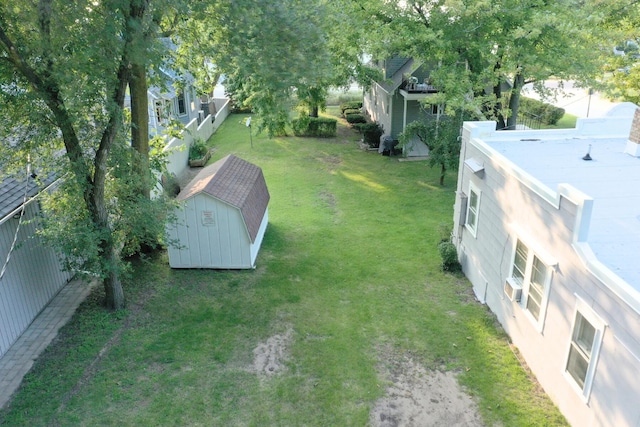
column 222, row 217
column 172, row 103
column 547, row 227
column 396, row 101
column 33, row 275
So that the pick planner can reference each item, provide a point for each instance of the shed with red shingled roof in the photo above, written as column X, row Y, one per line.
column 222, row 217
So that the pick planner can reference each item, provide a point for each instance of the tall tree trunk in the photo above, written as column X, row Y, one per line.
column 514, row 100
column 114, row 294
column 497, row 92
column 443, row 171
column 140, row 125
column 314, row 111
column 113, row 291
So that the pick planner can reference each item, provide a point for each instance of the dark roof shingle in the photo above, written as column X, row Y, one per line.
column 12, row 190
column 237, row 182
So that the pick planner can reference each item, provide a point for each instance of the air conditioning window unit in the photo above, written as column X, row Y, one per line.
column 513, row 289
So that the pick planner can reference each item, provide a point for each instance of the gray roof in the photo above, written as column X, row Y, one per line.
column 12, row 191
column 236, row 182
column 395, row 70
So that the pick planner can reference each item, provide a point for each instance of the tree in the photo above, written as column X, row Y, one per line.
column 274, row 54
column 482, row 48
column 442, row 137
column 622, row 21
column 64, row 68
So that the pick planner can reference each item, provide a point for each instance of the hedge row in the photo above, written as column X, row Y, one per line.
column 352, row 105
column 371, row 133
column 348, row 111
column 314, row 126
column 547, row 113
column 355, row 118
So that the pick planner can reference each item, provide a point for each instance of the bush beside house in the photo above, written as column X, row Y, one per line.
column 547, row 114
column 351, row 105
column 371, row 133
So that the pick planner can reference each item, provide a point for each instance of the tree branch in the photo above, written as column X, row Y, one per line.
column 421, row 14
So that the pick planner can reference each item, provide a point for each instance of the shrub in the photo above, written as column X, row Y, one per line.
column 170, row 184
column 314, row 127
column 371, row 133
column 444, row 229
column 197, row 150
column 547, row 113
column 449, row 256
column 552, row 115
column 355, row 118
column 351, row 105
column 351, row 111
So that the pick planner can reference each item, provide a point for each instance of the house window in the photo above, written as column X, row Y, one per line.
column 584, row 347
column 535, row 294
column 160, row 114
column 532, row 274
column 472, row 209
column 182, row 104
column 386, row 107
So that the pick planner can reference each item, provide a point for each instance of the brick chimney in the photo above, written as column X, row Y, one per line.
column 633, row 144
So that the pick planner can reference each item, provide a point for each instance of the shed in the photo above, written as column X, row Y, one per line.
column 221, row 218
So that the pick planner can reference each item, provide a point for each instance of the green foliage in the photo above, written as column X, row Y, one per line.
column 314, row 127
column 337, row 97
column 198, row 149
column 548, row 114
column 356, row 118
column 351, row 105
column 371, row 133
column 477, row 49
column 351, row 293
column 351, row 111
column 442, row 137
column 72, row 70
column 449, row 256
column 312, row 98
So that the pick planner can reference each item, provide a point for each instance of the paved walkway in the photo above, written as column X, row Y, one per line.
column 18, row 360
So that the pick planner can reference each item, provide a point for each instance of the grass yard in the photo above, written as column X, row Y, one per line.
column 568, row 121
column 348, row 279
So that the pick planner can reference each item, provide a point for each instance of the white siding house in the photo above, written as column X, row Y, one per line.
column 33, row 275
column 222, row 218
column 550, row 239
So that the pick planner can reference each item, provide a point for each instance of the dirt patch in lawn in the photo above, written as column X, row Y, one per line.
column 419, row 397
column 269, row 357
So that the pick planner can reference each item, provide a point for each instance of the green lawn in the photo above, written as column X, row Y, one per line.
column 348, row 268
column 568, row 121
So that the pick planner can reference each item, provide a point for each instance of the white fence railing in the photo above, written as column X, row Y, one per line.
column 177, row 150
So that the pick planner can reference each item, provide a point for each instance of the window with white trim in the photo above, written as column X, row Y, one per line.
column 584, row 347
column 530, row 272
column 181, row 103
column 472, row 209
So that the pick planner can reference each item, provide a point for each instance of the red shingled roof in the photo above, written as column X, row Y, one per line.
column 236, row 182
